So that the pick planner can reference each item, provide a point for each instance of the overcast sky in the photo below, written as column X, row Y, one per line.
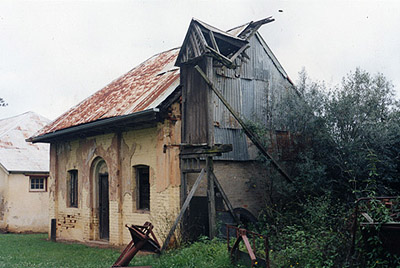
column 55, row 54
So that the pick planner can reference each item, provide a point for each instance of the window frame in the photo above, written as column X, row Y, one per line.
column 72, row 188
column 38, row 177
column 141, row 170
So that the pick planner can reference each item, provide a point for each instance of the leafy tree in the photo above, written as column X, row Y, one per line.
column 348, row 144
column 341, row 128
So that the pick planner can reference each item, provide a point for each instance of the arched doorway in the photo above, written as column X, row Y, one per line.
column 101, row 199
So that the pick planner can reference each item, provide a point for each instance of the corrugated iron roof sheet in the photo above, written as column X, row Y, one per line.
column 15, row 153
column 142, row 88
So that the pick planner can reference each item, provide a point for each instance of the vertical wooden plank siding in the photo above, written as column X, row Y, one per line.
column 254, row 90
column 195, row 97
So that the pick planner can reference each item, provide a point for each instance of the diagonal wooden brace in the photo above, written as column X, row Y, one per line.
column 246, row 129
column 183, row 209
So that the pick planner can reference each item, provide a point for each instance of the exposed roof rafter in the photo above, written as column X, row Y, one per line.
column 205, row 40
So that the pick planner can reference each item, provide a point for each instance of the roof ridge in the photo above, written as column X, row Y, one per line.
column 215, row 29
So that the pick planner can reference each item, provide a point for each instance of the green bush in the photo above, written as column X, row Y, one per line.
column 315, row 236
column 347, row 146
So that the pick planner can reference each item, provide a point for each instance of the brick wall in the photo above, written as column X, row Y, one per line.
column 244, row 182
column 121, row 153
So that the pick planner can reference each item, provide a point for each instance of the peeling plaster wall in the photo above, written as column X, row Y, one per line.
column 24, row 210
column 121, row 152
column 3, row 198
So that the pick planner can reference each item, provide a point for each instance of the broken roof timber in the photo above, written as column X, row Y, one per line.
column 205, row 40
column 202, row 39
column 253, row 27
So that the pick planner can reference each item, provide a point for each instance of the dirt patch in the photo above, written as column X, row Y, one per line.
column 4, row 231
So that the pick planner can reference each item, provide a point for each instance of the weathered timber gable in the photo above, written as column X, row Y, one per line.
column 254, row 89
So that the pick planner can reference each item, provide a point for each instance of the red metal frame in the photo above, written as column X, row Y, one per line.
column 241, row 235
column 143, row 238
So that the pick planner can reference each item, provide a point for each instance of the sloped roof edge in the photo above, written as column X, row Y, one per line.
column 273, row 58
column 137, row 117
column 143, row 87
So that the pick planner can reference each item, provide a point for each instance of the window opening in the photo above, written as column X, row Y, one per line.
column 73, row 188
column 143, row 187
column 38, row 184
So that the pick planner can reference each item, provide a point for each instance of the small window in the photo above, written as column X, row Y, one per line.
column 143, row 187
column 72, row 186
column 37, row 184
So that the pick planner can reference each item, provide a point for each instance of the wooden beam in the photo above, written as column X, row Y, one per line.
column 186, row 156
column 212, row 213
column 209, row 105
column 243, row 48
column 234, row 41
column 194, row 44
column 213, row 42
column 183, row 209
column 185, row 171
column 201, row 36
column 253, row 27
column 246, row 129
column 225, row 197
column 225, row 61
column 218, row 148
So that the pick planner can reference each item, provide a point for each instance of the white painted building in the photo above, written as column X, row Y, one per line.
column 24, row 168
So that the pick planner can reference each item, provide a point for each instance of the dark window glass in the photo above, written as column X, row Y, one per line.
column 143, row 187
column 38, row 183
column 73, row 188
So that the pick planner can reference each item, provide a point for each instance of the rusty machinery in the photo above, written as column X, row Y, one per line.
column 251, row 255
column 389, row 232
column 144, row 239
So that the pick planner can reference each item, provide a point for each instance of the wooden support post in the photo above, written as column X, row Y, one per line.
column 212, row 214
column 213, row 42
column 183, row 195
column 53, row 230
column 183, row 209
column 246, row 129
column 225, row 197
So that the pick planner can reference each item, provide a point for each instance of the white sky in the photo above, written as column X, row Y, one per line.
column 54, row 54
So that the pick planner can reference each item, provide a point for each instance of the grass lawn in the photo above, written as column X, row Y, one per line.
column 33, row 250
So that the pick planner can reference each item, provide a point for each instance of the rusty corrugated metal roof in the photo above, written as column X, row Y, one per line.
column 142, row 88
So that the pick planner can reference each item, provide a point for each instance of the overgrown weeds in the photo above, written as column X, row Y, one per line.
column 347, row 147
column 312, row 235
